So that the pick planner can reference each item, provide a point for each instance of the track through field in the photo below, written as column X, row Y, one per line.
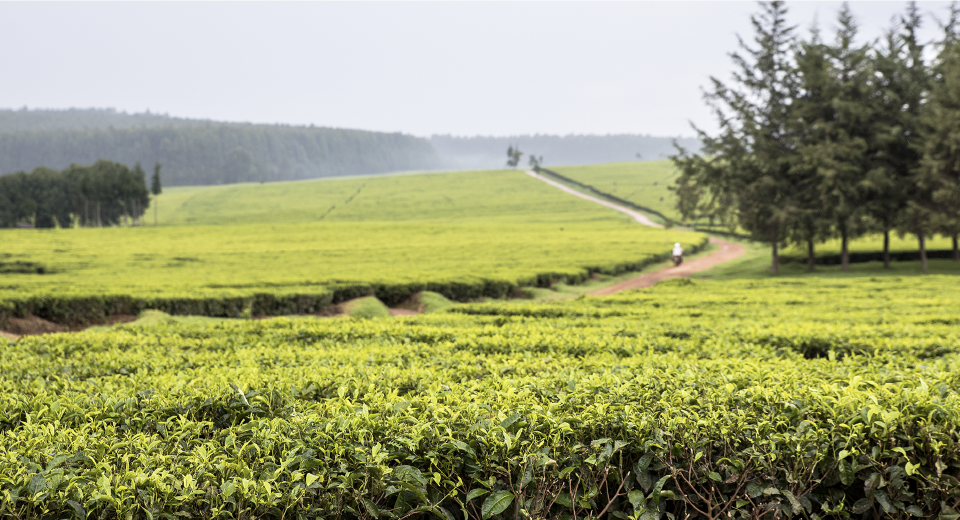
column 728, row 251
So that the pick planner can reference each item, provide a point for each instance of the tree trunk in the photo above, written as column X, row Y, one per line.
column 956, row 251
column 844, row 250
column 775, row 266
column 886, row 248
column 811, row 260
column 923, row 251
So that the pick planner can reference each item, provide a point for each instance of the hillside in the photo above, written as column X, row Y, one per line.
column 202, row 152
column 644, row 183
column 465, row 233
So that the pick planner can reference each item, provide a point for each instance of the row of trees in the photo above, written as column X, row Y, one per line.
column 822, row 140
column 103, row 194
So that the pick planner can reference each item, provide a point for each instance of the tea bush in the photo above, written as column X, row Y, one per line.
column 783, row 398
column 288, row 248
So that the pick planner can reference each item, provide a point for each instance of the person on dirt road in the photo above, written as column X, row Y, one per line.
column 677, row 254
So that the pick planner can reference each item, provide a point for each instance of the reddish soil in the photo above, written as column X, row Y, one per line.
column 726, row 253
column 33, row 325
column 403, row 312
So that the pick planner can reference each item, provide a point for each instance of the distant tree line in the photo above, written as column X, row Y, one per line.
column 103, row 194
column 481, row 152
column 822, row 140
column 202, row 152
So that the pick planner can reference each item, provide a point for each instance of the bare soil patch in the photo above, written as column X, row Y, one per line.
column 32, row 325
column 9, row 336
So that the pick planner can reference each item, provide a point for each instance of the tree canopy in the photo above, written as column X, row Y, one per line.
column 103, row 194
column 820, row 140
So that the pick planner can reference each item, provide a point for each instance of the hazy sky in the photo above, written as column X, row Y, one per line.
column 464, row 68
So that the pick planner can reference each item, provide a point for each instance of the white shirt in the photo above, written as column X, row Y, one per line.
column 678, row 251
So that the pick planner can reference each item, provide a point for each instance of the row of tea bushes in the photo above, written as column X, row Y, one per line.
column 687, row 400
column 82, row 307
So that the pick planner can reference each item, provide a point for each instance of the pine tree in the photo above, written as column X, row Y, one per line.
column 902, row 137
column 812, row 110
column 156, row 188
column 843, row 152
column 884, row 185
column 745, row 175
column 939, row 169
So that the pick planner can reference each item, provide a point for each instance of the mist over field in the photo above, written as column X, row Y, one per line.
column 198, row 152
column 488, row 152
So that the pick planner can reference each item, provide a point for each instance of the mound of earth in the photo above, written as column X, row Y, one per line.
column 32, row 325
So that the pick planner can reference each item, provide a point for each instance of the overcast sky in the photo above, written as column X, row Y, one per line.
column 499, row 68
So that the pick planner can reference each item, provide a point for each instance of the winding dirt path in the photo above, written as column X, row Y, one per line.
column 728, row 251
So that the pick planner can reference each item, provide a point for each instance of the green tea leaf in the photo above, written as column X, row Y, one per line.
column 496, row 503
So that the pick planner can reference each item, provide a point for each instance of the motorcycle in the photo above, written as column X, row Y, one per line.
column 677, row 260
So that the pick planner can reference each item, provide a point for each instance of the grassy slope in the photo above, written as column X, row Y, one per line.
column 644, row 183
column 396, row 229
column 447, row 197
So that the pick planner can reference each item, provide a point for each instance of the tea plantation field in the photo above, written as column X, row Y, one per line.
column 644, row 182
column 295, row 247
column 792, row 398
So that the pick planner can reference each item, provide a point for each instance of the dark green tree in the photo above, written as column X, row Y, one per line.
column 745, row 175
column 885, row 184
column 900, row 135
column 842, row 155
column 939, row 170
column 535, row 162
column 513, row 156
column 156, row 188
column 812, row 110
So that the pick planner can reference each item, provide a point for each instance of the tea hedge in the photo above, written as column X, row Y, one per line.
column 82, row 305
column 762, row 399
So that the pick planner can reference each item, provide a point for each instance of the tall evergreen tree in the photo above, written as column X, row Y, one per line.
column 885, row 182
column 903, row 133
column 844, row 150
column 812, row 111
column 156, row 188
column 744, row 176
column 939, row 168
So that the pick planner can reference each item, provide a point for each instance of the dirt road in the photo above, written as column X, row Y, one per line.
column 639, row 217
column 726, row 253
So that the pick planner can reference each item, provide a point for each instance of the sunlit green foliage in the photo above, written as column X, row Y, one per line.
column 644, row 182
column 801, row 398
column 464, row 235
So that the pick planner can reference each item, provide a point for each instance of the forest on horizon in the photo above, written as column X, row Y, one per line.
column 203, row 152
